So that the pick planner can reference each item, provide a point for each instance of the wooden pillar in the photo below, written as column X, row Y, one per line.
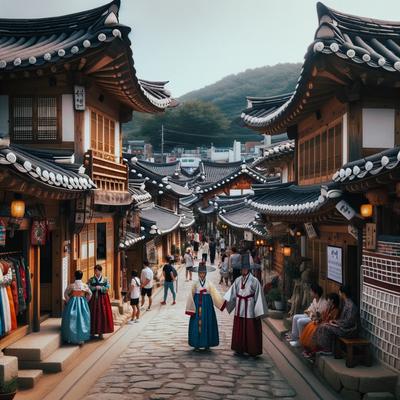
column 79, row 123
column 354, row 129
column 117, row 260
column 35, row 254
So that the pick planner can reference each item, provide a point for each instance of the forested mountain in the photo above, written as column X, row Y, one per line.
column 211, row 114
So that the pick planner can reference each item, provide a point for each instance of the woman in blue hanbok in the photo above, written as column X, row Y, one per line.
column 203, row 326
column 75, row 326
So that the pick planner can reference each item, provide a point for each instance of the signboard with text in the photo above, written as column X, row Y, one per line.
column 335, row 263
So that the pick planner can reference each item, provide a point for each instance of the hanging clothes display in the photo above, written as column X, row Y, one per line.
column 15, row 291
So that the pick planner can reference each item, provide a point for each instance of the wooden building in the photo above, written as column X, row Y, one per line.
column 66, row 86
column 345, row 109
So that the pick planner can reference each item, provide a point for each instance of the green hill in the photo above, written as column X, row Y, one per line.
column 228, row 95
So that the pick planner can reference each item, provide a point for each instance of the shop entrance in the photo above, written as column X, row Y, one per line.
column 352, row 277
column 46, row 277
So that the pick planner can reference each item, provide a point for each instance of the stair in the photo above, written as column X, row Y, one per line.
column 56, row 362
column 28, row 378
column 38, row 345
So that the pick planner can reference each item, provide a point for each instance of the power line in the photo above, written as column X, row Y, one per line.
column 212, row 136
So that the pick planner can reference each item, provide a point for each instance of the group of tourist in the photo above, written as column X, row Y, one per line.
column 324, row 320
column 87, row 312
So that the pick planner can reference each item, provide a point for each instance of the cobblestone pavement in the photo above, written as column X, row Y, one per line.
column 159, row 364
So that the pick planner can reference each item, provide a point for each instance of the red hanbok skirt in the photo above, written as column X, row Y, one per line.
column 247, row 336
column 101, row 319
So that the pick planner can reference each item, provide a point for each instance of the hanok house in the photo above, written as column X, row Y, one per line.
column 344, row 108
column 67, row 85
column 167, row 218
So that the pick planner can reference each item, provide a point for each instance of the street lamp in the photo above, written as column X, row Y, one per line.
column 17, row 208
column 366, row 210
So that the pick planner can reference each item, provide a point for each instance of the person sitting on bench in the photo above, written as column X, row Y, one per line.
column 345, row 326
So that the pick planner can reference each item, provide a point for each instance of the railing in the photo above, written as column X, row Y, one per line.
column 107, row 174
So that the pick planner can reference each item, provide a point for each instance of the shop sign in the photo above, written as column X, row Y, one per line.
column 345, row 209
column 248, row 236
column 335, row 265
column 370, row 236
column 79, row 98
column 310, row 230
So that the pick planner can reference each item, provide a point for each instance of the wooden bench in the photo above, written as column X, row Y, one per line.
column 355, row 350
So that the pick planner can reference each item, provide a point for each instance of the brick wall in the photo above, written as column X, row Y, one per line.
column 380, row 300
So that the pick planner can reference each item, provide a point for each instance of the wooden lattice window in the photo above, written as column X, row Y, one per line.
column 320, row 155
column 102, row 131
column 35, row 119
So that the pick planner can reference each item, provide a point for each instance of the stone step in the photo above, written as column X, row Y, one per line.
column 28, row 378
column 56, row 362
column 275, row 314
column 37, row 346
column 277, row 326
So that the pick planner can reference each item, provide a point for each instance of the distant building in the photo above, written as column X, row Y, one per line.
column 189, row 162
column 140, row 149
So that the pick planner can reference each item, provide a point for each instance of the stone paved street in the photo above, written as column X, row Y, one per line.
column 159, row 364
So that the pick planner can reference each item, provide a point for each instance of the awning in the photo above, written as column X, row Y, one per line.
column 164, row 220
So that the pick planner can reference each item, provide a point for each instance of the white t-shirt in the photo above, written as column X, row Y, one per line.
column 188, row 260
column 147, row 273
column 135, row 291
column 196, row 237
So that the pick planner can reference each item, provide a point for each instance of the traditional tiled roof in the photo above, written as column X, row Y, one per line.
column 369, row 167
column 275, row 152
column 152, row 174
column 163, row 219
column 290, row 199
column 214, row 175
column 43, row 171
column 131, row 238
column 28, row 44
column 138, row 192
column 189, row 200
column 187, row 217
column 365, row 43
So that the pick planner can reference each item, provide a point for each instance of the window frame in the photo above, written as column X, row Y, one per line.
column 35, row 118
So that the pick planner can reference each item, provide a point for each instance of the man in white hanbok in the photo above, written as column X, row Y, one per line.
column 247, row 297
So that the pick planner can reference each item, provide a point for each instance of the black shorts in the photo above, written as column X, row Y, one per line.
column 190, row 269
column 147, row 292
column 134, row 302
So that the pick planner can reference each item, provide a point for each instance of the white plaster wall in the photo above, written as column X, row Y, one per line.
column 67, row 107
column 4, row 115
column 378, row 127
column 86, row 131
column 285, row 174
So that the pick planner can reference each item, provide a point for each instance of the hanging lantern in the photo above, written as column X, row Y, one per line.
column 271, row 248
column 298, row 233
column 17, row 208
column 257, row 242
column 287, row 251
column 366, row 210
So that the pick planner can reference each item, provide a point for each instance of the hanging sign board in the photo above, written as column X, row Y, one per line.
column 353, row 231
column 370, row 236
column 248, row 236
column 335, row 263
column 345, row 209
column 310, row 230
column 79, row 98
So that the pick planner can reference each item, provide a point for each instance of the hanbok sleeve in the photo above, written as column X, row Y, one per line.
column 230, row 297
column 67, row 292
column 190, row 306
column 260, row 305
column 88, row 293
column 91, row 284
column 105, row 288
column 217, row 299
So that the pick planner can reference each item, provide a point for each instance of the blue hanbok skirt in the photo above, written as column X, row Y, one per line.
column 75, row 326
column 203, row 330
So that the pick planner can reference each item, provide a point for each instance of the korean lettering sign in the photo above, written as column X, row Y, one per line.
column 79, row 98
column 335, row 263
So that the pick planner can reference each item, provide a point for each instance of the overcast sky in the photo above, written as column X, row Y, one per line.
column 193, row 43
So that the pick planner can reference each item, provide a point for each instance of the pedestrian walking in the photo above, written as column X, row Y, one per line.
column 212, row 250
column 146, row 282
column 235, row 264
column 222, row 246
column 203, row 326
column 204, row 250
column 246, row 297
column 196, row 244
column 135, row 295
column 75, row 324
column 100, row 307
column 189, row 263
column 169, row 278
column 224, row 269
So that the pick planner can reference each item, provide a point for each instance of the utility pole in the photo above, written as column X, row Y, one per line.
column 162, row 142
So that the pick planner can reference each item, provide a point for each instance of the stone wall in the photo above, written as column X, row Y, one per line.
column 380, row 300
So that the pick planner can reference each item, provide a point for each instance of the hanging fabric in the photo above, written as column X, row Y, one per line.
column 3, row 231
column 39, row 232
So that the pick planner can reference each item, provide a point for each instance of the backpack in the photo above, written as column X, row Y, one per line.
column 174, row 271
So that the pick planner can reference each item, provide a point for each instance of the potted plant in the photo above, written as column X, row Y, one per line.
column 275, row 296
column 8, row 390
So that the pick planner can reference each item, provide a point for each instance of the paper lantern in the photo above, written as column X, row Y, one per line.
column 17, row 209
column 271, row 249
column 366, row 210
column 287, row 251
